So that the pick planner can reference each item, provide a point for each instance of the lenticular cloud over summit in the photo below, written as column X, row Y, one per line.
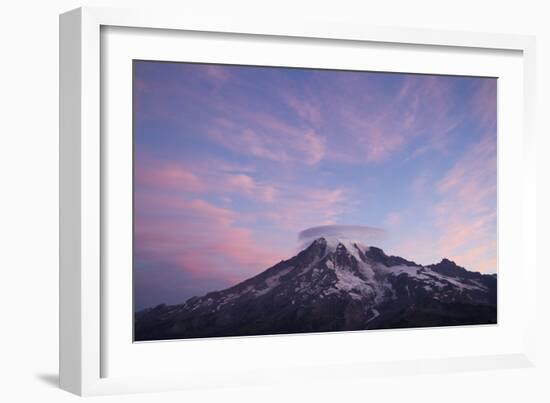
column 360, row 233
column 239, row 170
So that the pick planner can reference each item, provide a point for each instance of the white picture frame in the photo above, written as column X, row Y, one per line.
column 85, row 306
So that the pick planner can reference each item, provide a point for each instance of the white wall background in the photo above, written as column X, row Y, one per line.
column 29, row 209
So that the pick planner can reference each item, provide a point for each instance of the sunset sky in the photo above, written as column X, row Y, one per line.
column 231, row 163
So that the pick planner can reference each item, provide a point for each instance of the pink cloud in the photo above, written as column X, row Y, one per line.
column 381, row 143
column 434, row 111
column 249, row 141
column 373, row 131
column 218, row 73
column 373, row 138
column 299, row 208
column 313, row 147
column 304, row 108
column 481, row 256
column 290, row 206
column 426, row 116
column 247, row 185
column 267, row 137
column 466, row 214
column 241, row 182
column 169, row 176
column 393, row 219
column 418, row 246
column 460, row 211
column 202, row 178
column 484, row 103
column 209, row 241
column 199, row 237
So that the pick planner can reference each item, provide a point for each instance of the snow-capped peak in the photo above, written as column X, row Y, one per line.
column 335, row 283
column 352, row 246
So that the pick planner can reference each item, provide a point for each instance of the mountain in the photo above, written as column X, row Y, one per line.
column 332, row 285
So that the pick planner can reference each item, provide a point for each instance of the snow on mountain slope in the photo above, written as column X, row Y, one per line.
column 333, row 284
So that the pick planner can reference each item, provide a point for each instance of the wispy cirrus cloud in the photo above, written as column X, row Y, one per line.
column 169, row 176
column 466, row 213
column 207, row 241
column 226, row 179
column 413, row 116
column 231, row 162
column 198, row 237
column 267, row 137
column 177, row 227
column 305, row 107
column 303, row 207
column 217, row 73
column 484, row 104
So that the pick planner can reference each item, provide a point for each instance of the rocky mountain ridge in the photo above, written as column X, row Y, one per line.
column 332, row 285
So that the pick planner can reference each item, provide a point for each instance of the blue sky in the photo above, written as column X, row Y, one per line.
column 232, row 162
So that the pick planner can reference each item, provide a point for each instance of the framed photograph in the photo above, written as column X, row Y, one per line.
column 237, row 197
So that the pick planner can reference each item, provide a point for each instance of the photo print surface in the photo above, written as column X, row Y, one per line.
column 271, row 200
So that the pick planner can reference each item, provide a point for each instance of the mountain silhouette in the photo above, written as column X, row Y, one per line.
column 332, row 285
